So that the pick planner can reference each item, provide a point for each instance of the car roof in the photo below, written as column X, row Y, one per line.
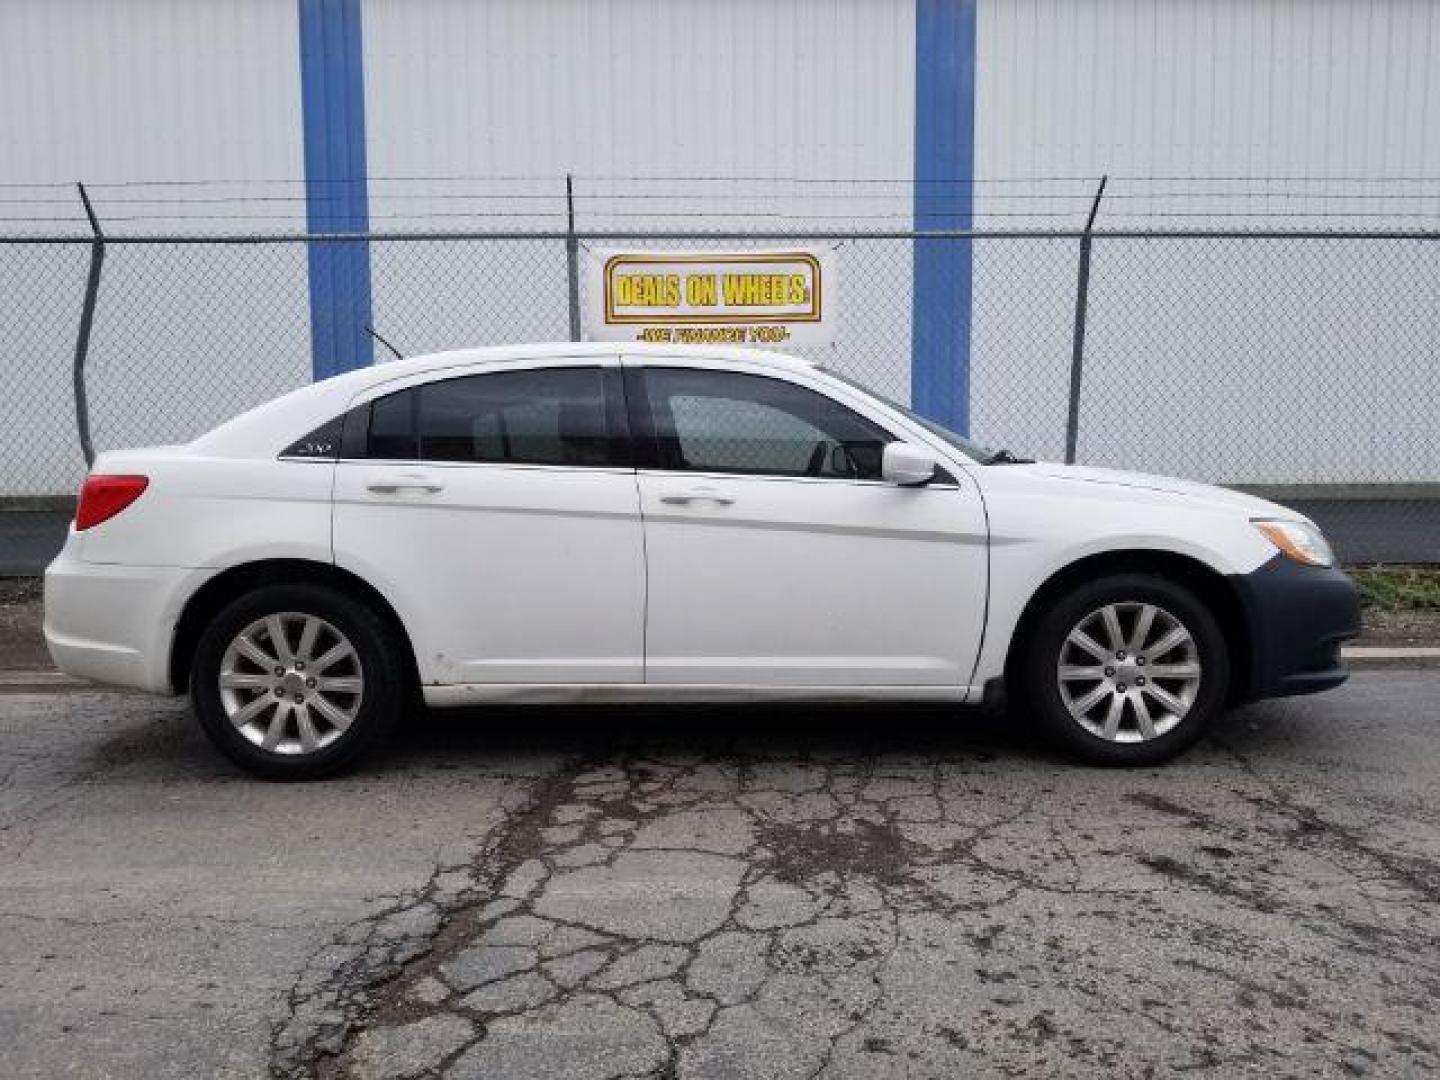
column 383, row 371
column 309, row 406
column 386, row 370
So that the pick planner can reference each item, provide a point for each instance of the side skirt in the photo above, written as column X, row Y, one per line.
column 619, row 693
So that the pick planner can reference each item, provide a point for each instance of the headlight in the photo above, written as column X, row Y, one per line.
column 1299, row 540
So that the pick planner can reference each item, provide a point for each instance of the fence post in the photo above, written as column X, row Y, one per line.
column 87, row 320
column 572, row 258
column 1082, row 303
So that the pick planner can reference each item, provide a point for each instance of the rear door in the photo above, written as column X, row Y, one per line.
column 777, row 557
column 497, row 511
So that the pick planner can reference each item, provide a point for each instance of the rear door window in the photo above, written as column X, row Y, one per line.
column 549, row 416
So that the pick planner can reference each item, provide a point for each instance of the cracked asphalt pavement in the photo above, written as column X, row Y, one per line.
column 709, row 892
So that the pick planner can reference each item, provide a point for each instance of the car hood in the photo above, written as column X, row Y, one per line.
column 1167, row 485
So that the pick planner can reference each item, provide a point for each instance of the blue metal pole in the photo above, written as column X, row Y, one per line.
column 332, row 84
column 944, row 197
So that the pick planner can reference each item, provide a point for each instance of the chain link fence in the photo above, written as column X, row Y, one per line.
column 1300, row 365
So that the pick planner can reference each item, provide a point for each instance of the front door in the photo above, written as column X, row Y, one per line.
column 498, row 513
column 776, row 555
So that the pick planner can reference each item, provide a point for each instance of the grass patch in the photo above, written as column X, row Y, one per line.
column 1398, row 588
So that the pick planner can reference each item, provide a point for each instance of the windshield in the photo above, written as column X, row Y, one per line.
column 973, row 450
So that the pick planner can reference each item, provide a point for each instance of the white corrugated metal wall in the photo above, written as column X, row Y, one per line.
column 670, row 115
column 1209, row 88
column 114, row 93
column 148, row 89
column 1283, row 360
column 620, row 88
column 809, row 89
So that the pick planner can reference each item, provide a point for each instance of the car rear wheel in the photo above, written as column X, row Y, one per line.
column 296, row 681
column 1127, row 670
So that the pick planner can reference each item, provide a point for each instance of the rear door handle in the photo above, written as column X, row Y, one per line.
column 696, row 495
column 390, row 483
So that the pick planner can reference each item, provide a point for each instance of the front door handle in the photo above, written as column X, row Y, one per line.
column 696, row 495
column 390, row 484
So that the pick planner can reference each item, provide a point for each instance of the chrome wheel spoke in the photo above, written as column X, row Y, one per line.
column 247, row 647
column 278, row 723
column 1169, row 642
column 243, row 680
column 305, row 650
column 1088, row 702
column 1167, row 700
column 309, row 737
column 251, row 709
column 1143, row 718
column 1112, row 717
column 338, row 718
column 275, row 624
column 340, row 684
column 1143, row 622
column 1111, row 618
column 1187, row 670
column 1074, row 673
column 1082, row 640
column 333, row 656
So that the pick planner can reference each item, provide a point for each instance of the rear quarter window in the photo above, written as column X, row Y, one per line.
column 322, row 444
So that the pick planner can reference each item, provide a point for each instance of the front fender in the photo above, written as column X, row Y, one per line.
column 1034, row 539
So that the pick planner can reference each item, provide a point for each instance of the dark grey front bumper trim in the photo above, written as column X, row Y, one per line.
column 1297, row 618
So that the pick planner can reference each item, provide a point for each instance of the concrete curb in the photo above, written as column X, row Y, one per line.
column 1369, row 652
column 40, row 680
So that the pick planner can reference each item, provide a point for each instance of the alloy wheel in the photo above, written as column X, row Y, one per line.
column 291, row 683
column 1129, row 672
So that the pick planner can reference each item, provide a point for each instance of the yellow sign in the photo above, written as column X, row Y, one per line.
column 691, row 298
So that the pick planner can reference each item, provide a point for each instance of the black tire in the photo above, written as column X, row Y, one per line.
column 1047, row 645
column 379, row 656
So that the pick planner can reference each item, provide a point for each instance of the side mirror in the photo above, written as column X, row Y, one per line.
column 906, row 464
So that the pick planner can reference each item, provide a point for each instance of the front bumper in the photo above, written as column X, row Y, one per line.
column 1297, row 617
column 112, row 624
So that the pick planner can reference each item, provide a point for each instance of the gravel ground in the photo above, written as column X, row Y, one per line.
column 21, row 646
column 1414, row 629
column 723, row 893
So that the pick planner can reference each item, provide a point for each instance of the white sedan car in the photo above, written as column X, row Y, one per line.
column 629, row 523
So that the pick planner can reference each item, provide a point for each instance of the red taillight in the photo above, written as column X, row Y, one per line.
column 103, row 497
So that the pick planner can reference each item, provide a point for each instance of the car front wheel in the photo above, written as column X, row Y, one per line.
column 296, row 681
column 1127, row 670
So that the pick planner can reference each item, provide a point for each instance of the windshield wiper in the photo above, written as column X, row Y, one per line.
column 1005, row 457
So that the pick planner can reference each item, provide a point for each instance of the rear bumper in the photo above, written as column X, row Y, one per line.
column 112, row 624
column 1297, row 617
